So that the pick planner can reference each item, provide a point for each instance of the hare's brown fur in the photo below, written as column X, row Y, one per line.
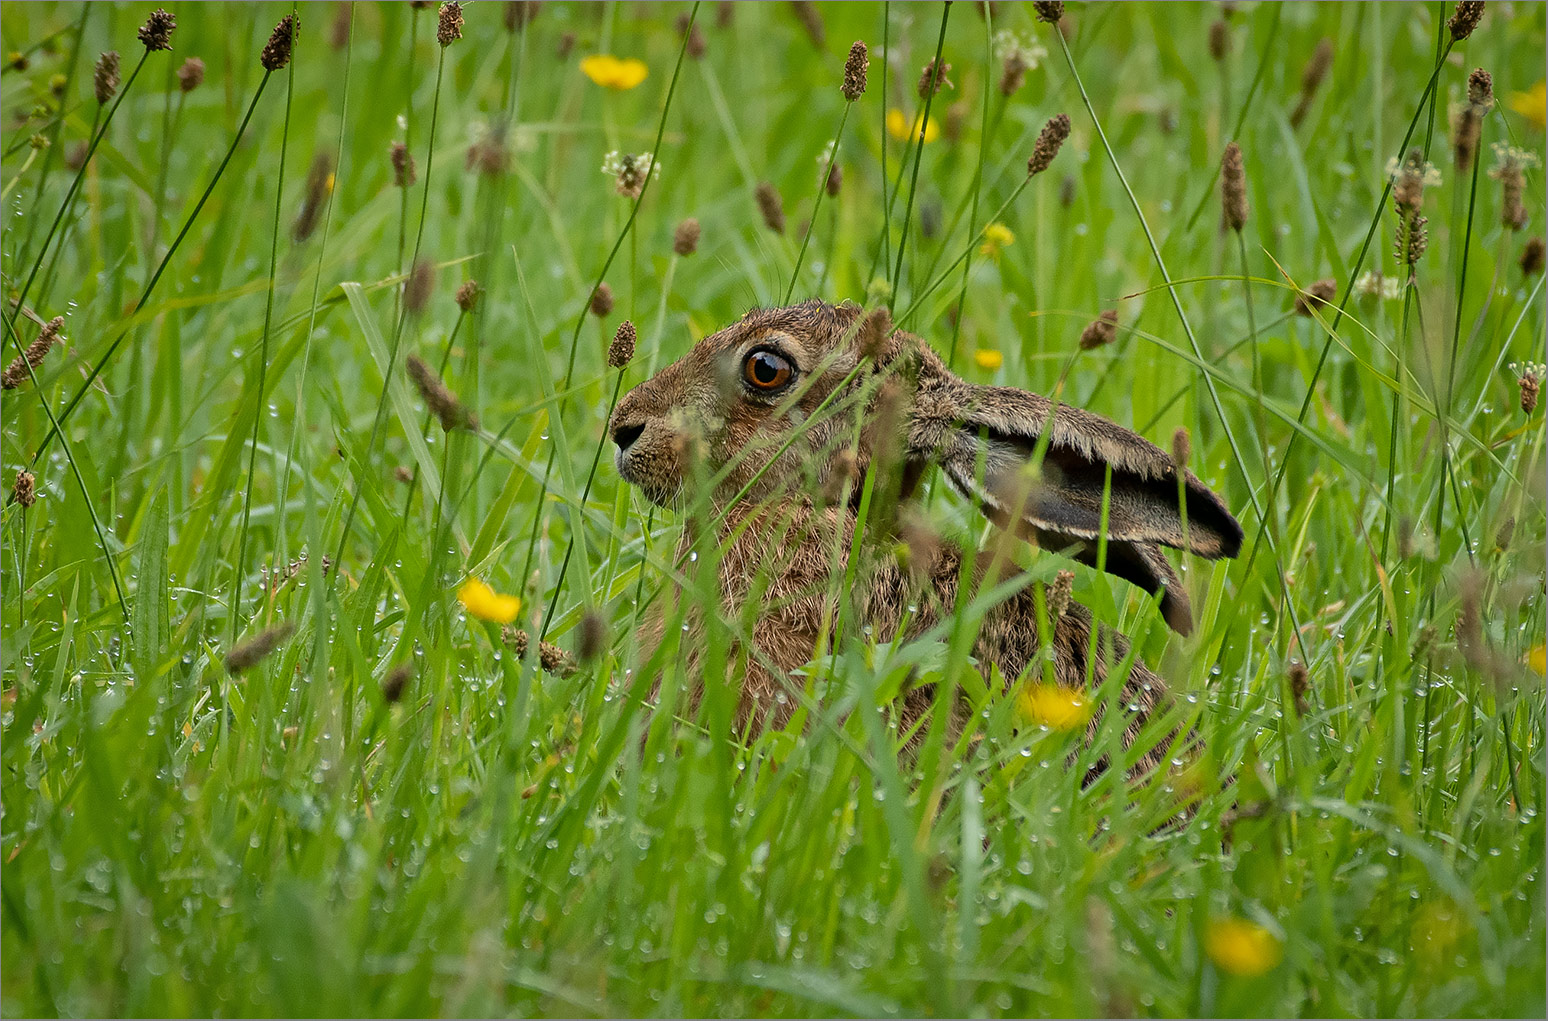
column 897, row 409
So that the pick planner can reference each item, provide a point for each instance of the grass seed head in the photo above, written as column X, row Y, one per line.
column 1532, row 256
column 1048, row 11
column 1182, row 448
column 602, row 301
column 855, row 69
column 276, row 52
column 875, row 328
column 1311, row 79
column 1408, row 188
column 835, row 180
column 319, row 183
column 338, row 28
column 771, row 207
column 403, row 473
column 1101, row 331
column 418, row 287
column 104, row 77
column 403, row 172
column 565, row 45
column 191, row 75
column 156, row 33
column 1465, row 18
column 685, row 239
column 248, row 654
column 811, row 19
column 1513, row 211
column 696, row 44
column 1219, row 39
column 467, row 295
column 24, row 364
column 725, row 13
column 1531, row 386
column 592, row 641
column 1319, row 294
column 440, row 400
column 1480, row 88
column 520, row 13
column 1059, row 595
column 396, row 680
column 448, row 26
column 1013, row 73
column 621, row 351
column 1300, row 687
column 1233, row 188
column 24, row 489
column 1067, row 191
column 932, row 79
column 1049, row 139
column 551, row 658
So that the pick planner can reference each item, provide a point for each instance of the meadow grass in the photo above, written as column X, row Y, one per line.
column 381, row 807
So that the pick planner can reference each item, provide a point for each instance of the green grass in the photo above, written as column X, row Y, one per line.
column 178, row 840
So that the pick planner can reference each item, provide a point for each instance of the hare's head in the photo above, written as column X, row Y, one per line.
column 782, row 401
column 721, row 412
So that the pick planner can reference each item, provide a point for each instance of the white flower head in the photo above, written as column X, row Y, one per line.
column 1029, row 50
column 1535, row 369
column 630, row 171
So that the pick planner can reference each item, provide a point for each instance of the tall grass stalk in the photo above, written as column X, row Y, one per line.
column 239, row 566
column 937, row 73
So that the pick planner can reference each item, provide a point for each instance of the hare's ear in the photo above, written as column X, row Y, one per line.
column 986, row 441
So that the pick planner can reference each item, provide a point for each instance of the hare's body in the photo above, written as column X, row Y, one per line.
column 786, row 414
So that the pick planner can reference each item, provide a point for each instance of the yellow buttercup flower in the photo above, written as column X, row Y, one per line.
column 997, row 237
column 899, row 127
column 1537, row 660
column 1055, row 707
column 1531, row 103
column 1240, row 947
column 485, row 603
column 613, row 72
column 988, row 358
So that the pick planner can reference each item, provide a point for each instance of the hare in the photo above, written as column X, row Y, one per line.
column 791, row 403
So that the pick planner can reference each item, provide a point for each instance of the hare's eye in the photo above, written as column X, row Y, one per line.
column 766, row 370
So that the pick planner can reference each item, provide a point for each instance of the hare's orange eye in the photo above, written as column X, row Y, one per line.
column 766, row 370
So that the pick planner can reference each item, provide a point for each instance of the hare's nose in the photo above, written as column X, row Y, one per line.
column 625, row 435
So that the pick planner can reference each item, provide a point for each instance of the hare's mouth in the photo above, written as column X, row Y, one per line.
column 644, row 472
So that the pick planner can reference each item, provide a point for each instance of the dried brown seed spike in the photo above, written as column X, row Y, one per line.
column 1048, row 142
column 1102, row 331
column 1319, row 295
column 835, row 180
column 725, row 12
column 565, row 45
column 448, row 26
column 319, row 182
column 104, row 76
column 1480, row 88
column 467, row 295
column 855, row 69
column 156, row 33
column 420, row 283
column 621, row 351
column 806, row 13
column 1048, row 11
column 1182, row 448
column 593, row 635
column 396, row 680
column 276, row 52
column 1059, row 595
column 1233, row 188
column 1532, row 256
column 1311, row 79
column 440, row 400
column 191, row 75
column 602, row 301
column 685, row 239
column 875, row 328
column 1465, row 18
column 24, row 489
column 246, row 655
column 1219, row 39
column 403, row 172
column 1013, row 74
column 1530, row 387
column 519, row 14
column 771, row 206
column 1300, row 687
column 24, row 364
column 696, row 45
column 933, row 79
